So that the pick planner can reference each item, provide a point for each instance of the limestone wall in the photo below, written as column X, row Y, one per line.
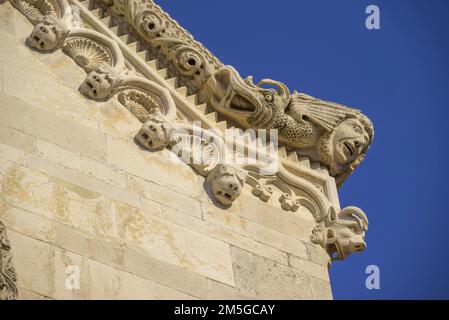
column 77, row 190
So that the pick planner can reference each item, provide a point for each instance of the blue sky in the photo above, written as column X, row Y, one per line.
column 399, row 77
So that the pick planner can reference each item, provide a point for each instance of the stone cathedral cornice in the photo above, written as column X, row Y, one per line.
column 133, row 51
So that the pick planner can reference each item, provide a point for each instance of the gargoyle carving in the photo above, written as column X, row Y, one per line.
column 156, row 133
column 136, row 93
column 226, row 183
column 48, row 35
column 327, row 132
column 8, row 277
column 343, row 233
column 102, row 83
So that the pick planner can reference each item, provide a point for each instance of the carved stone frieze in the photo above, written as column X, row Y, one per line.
column 333, row 136
column 36, row 10
column 140, row 104
column 8, row 276
column 191, row 60
column 329, row 133
column 88, row 54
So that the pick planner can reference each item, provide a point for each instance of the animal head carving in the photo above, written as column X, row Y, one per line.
column 343, row 233
column 242, row 100
column 155, row 133
column 227, row 183
column 48, row 35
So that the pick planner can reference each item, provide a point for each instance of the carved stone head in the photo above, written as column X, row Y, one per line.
column 243, row 101
column 227, row 183
column 344, row 148
column 155, row 133
column 98, row 85
column 342, row 234
column 47, row 35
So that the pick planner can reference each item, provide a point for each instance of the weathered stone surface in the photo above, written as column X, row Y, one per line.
column 155, row 167
column 255, row 231
column 77, row 190
column 320, row 289
column 49, row 126
column 175, row 244
column 43, row 270
column 266, row 279
column 152, row 191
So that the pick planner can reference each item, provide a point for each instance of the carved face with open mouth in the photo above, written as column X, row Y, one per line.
column 242, row 100
column 349, row 241
column 155, row 133
column 227, row 183
column 97, row 86
column 47, row 35
column 344, row 234
column 350, row 140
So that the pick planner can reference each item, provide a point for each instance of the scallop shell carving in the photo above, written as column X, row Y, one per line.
column 87, row 53
column 35, row 10
column 199, row 152
column 139, row 104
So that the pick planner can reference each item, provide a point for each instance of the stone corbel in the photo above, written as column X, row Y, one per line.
column 8, row 276
column 100, row 57
column 342, row 233
column 199, row 148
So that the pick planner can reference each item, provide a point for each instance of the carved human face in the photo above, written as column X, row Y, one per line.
column 46, row 35
column 155, row 134
column 344, row 145
column 226, row 183
column 349, row 141
column 97, row 86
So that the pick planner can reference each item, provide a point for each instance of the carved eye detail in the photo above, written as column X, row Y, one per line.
column 358, row 129
column 268, row 97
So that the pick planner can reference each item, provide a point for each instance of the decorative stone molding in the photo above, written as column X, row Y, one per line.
column 198, row 148
column 36, row 10
column 8, row 276
column 319, row 140
column 314, row 128
column 97, row 54
column 192, row 60
column 141, row 105
column 329, row 133
column 343, row 233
